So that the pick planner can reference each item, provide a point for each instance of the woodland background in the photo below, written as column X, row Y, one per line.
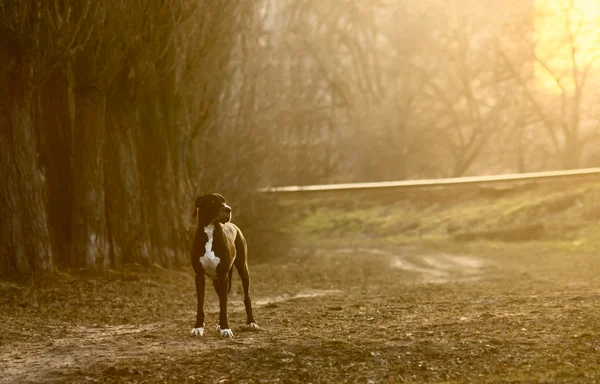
column 115, row 114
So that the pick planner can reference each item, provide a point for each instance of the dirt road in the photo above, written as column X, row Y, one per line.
column 346, row 315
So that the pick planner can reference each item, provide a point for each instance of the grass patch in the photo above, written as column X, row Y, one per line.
column 563, row 214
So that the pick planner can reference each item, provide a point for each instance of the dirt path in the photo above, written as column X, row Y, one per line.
column 350, row 315
column 79, row 346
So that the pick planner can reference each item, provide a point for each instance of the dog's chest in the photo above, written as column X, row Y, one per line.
column 209, row 261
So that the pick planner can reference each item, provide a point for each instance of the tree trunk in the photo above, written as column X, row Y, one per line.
column 129, row 235
column 89, row 241
column 571, row 154
column 24, row 236
column 56, row 151
column 163, row 187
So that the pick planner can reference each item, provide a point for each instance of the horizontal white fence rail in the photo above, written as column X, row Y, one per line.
column 439, row 182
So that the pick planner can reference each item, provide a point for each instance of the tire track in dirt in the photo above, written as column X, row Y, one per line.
column 437, row 268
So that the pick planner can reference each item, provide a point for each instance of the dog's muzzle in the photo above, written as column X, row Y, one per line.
column 225, row 215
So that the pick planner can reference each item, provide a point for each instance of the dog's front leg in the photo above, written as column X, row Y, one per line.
column 221, row 286
column 199, row 327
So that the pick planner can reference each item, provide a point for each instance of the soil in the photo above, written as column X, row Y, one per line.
column 346, row 315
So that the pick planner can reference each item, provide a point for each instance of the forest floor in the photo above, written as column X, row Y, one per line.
column 470, row 286
column 403, row 314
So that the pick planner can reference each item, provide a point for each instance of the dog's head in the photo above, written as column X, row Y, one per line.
column 211, row 208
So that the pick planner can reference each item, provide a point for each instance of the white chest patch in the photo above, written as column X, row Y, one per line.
column 209, row 261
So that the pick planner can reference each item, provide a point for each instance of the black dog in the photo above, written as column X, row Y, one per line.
column 218, row 246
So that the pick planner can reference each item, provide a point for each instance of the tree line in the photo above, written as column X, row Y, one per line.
column 390, row 90
column 115, row 114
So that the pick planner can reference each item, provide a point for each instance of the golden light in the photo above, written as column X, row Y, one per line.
column 566, row 41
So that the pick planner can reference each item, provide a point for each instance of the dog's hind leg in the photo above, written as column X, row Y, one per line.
column 230, row 276
column 245, row 277
column 241, row 264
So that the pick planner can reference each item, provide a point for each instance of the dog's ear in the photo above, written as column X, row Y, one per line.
column 196, row 209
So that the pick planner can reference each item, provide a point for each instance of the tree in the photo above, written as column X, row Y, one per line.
column 37, row 38
column 558, row 89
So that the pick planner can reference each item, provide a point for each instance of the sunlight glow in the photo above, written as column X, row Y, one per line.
column 566, row 41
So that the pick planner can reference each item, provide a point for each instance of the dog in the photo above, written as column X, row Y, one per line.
column 218, row 246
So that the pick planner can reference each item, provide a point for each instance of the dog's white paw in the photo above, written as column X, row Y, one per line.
column 253, row 326
column 197, row 331
column 224, row 332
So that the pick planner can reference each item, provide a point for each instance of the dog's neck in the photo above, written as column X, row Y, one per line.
column 204, row 222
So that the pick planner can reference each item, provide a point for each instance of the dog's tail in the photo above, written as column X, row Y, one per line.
column 230, row 276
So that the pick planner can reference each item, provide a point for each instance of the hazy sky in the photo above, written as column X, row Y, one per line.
column 553, row 47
